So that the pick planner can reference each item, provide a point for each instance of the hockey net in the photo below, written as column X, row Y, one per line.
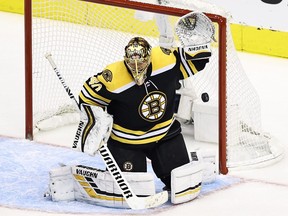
column 85, row 36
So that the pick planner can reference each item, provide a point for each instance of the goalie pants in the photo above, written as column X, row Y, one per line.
column 165, row 155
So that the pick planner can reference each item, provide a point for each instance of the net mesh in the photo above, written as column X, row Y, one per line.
column 84, row 37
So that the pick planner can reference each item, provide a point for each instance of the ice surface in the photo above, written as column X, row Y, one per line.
column 24, row 165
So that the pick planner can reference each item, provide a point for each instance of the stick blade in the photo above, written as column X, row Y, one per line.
column 152, row 201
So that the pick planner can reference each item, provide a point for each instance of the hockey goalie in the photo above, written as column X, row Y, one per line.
column 129, row 107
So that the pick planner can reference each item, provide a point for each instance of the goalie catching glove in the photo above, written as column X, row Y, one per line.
column 195, row 31
column 93, row 130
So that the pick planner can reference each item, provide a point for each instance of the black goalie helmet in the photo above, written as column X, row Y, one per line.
column 138, row 58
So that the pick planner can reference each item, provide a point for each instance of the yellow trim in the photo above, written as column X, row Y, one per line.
column 141, row 141
column 261, row 41
column 79, row 177
column 246, row 38
column 192, row 66
column 14, row 6
column 88, row 101
column 93, row 194
column 94, row 94
column 138, row 132
column 196, row 190
column 166, row 61
column 84, row 184
column 91, row 122
column 120, row 77
column 183, row 71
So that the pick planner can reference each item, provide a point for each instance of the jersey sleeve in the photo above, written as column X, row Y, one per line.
column 94, row 93
column 190, row 67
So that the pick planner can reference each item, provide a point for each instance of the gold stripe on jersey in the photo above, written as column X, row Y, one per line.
column 89, row 101
column 137, row 137
column 163, row 69
column 88, row 96
column 120, row 77
column 166, row 63
column 188, row 69
column 138, row 132
column 89, row 126
column 183, row 71
column 192, row 67
column 93, row 94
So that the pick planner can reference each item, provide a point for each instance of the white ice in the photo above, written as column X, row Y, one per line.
column 263, row 191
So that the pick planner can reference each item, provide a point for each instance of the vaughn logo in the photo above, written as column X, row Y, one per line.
column 87, row 173
column 78, row 134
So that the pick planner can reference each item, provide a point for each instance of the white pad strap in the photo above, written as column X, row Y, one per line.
column 61, row 184
column 96, row 186
column 186, row 182
column 93, row 130
column 208, row 160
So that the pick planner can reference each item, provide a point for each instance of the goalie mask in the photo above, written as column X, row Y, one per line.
column 137, row 58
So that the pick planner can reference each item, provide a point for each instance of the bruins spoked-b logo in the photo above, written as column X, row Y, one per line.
column 107, row 75
column 128, row 166
column 153, row 106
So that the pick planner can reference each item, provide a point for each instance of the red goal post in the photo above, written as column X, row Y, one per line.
column 48, row 25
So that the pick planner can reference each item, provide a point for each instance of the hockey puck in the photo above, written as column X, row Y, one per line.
column 205, row 97
column 272, row 1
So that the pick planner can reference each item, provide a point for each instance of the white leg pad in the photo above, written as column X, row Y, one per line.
column 186, row 182
column 61, row 185
column 96, row 186
column 208, row 160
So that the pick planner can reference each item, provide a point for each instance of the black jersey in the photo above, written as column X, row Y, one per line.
column 141, row 114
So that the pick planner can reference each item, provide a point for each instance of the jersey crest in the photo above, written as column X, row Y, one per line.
column 153, row 106
column 166, row 51
column 107, row 75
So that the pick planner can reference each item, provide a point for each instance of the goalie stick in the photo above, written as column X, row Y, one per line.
column 132, row 200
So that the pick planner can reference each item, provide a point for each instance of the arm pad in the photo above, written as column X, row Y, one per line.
column 93, row 130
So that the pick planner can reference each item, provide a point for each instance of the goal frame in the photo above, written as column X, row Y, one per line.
column 221, row 22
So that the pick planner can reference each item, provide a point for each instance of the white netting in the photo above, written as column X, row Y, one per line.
column 84, row 37
column 247, row 144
